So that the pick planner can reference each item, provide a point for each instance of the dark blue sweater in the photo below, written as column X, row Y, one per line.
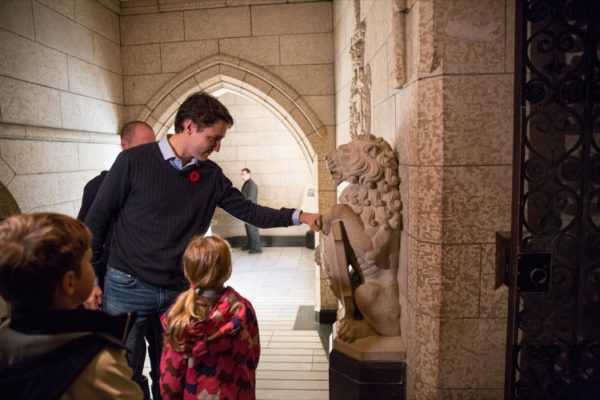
column 157, row 210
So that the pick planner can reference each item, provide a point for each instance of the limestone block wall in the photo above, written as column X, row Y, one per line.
column 60, row 98
column 259, row 141
column 451, row 123
column 293, row 41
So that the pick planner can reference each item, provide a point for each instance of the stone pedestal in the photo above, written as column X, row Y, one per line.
column 373, row 367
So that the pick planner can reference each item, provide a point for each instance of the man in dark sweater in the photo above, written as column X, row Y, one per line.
column 159, row 196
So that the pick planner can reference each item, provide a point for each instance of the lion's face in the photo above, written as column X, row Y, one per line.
column 370, row 166
column 340, row 161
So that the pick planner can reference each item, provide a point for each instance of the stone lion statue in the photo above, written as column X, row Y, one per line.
column 370, row 211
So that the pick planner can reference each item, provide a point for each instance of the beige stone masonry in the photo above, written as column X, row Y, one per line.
column 113, row 5
column 379, row 67
column 217, row 23
column 98, row 18
column 343, row 27
column 379, row 16
column 17, row 17
column 107, row 54
column 177, row 5
column 323, row 107
column 261, row 50
column 139, row 88
column 383, row 119
column 130, row 7
column 141, row 59
column 472, row 36
column 62, row 33
column 166, row 110
column 308, row 80
column 92, row 81
column 342, row 109
column 26, row 103
column 343, row 71
column 98, row 156
column 29, row 61
column 470, row 103
column 315, row 48
column 471, row 348
column 175, row 56
column 28, row 132
column 291, row 18
column 17, row 154
column 84, row 113
column 64, row 7
column 152, row 28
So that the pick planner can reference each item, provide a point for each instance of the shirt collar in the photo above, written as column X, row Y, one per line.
column 169, row 155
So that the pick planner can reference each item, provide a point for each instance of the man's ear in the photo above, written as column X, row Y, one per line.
column 68, row 283
column 188, row 126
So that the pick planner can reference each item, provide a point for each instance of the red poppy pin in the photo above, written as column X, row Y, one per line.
column 194, row 176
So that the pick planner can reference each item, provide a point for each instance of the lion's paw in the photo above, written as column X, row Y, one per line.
column 349, row 330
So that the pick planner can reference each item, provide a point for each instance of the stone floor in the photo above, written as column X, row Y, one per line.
column 293, row 362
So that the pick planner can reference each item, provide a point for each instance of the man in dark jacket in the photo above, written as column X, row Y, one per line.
column 250, row 192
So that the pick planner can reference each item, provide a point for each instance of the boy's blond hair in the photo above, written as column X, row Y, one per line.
column 206, row 265
column 36, row 250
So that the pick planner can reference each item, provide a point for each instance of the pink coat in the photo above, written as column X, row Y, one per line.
column 224, row 368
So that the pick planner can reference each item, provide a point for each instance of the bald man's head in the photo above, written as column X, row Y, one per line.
column 135, row 133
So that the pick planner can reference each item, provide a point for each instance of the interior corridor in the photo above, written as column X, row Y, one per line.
column 293, row 363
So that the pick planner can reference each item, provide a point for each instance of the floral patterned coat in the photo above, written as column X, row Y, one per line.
column 221, row 369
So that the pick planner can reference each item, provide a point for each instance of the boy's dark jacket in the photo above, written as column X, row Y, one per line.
column 42, row 353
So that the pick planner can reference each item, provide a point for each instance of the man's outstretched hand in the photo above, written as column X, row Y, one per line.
column 94, row 302
column 312, row 220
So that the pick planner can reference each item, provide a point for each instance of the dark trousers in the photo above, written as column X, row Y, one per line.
column 253, row 237
column 124, row 293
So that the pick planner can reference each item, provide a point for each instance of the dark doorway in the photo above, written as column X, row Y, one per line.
column 553, row 346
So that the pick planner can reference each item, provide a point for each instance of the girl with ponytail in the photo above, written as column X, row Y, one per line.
column 211, row 344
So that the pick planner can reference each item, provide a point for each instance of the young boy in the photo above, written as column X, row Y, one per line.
column 50, row 349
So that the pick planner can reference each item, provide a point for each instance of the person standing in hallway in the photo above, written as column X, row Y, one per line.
column 133, row 133
column 250, row 192
column 160, row 195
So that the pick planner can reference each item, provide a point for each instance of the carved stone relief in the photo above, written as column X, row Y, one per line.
column 360, row 88
column 398, row 62
column 360, row 244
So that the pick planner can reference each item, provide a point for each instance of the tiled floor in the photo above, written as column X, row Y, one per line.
column 293, row 363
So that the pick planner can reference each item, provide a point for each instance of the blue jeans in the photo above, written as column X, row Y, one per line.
column 125, row 293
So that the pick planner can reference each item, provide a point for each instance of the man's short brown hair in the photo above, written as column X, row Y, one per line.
column 36, row 250
column 203, row 110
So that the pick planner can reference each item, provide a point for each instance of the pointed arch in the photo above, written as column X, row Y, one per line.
column 226, row 72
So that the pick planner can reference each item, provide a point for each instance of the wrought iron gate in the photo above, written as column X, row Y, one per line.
column 553, row 347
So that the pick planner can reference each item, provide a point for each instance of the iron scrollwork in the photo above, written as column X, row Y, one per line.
column 556, row 344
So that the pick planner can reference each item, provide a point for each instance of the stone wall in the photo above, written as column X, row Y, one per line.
column 450, row 120
column 60, row 98
column 293, row 41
